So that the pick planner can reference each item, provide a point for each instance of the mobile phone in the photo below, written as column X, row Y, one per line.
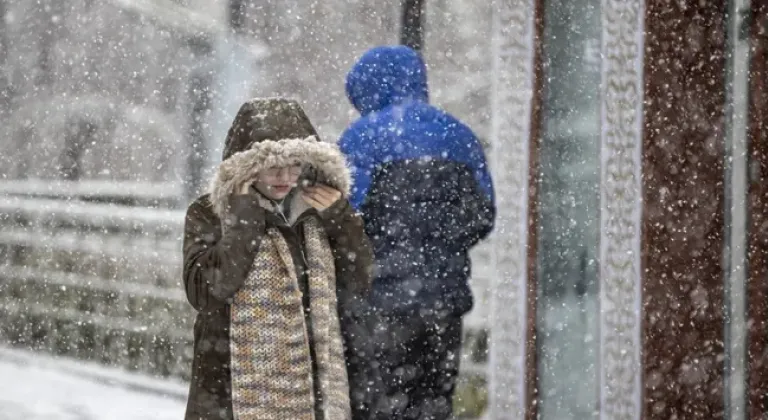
column 308, row 177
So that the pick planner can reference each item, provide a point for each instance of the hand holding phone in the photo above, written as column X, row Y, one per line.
column 321, row 196
column 308, row 177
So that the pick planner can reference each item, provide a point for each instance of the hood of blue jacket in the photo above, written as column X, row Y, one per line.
column 385, row 76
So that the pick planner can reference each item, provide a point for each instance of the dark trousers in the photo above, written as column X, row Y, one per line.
column 419, row 363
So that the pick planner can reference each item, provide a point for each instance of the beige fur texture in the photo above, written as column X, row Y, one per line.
column 244, row 166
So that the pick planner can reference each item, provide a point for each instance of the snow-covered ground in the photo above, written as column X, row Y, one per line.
column 35, row 387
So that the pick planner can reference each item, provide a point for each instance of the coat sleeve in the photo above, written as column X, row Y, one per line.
column 216, row 265
column 352, row 250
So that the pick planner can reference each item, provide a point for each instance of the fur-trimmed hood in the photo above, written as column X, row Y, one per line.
column 274, row 132
column 326, row 158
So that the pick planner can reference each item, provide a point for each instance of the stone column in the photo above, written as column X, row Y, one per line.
column 757, row 199
column 683, row 218
column 512, row 155
column 621, row 209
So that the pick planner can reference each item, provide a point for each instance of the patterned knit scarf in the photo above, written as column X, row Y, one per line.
column 271, row 365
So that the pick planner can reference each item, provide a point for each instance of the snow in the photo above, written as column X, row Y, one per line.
column 138, row 97
column 36, row 387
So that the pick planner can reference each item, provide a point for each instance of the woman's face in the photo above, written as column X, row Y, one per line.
column 276, row 183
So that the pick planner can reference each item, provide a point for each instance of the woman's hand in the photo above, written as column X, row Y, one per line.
column 320, row 196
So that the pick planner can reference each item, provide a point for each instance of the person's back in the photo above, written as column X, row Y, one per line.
column 423, row 186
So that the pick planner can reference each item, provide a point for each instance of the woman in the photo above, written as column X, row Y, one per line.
column 277, row 274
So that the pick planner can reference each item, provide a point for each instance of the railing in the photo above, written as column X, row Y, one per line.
column 94, row 280
column 136, row 194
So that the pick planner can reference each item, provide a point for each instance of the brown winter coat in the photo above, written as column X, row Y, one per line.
column 220, row 261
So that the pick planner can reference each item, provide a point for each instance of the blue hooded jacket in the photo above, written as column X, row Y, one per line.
column 421, row 181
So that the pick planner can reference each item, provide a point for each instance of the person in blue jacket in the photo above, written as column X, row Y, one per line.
column 423, row 186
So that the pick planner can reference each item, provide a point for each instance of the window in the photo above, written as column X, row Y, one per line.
column 569, row 202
